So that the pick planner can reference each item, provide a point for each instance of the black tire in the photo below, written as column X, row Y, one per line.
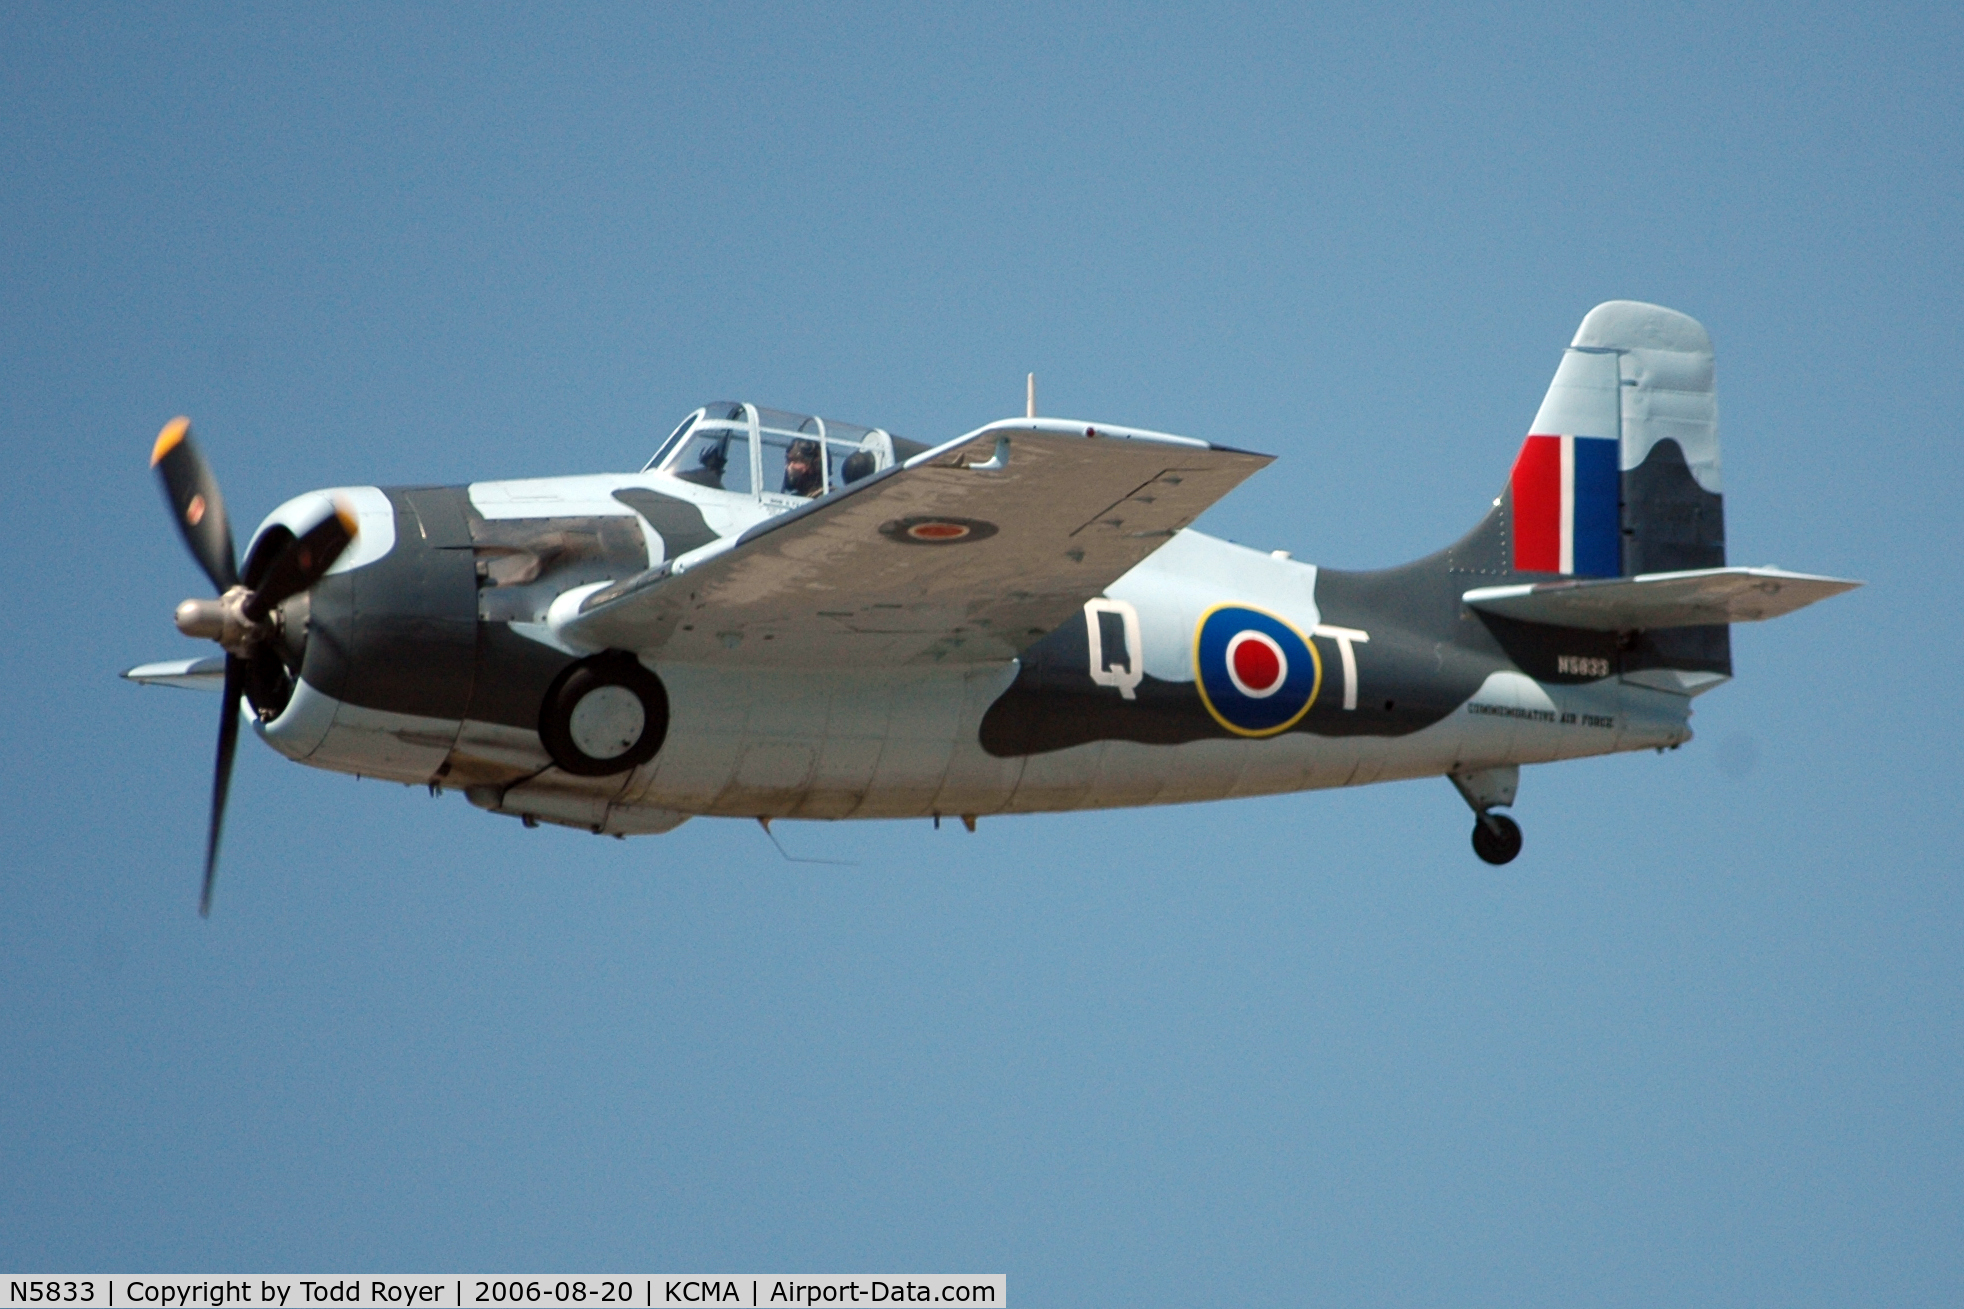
column 1496, row 838
column 591, row 729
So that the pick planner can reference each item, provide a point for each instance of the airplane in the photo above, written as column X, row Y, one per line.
column 782, row 616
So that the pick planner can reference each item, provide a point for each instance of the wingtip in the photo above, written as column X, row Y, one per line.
column 168, row 440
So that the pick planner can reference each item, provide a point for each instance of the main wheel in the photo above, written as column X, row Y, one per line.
column 1496, row 838
column 604, row 715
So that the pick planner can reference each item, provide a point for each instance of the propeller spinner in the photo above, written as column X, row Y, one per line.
column 242, row 619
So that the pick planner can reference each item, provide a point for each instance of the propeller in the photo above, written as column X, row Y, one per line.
column 242, row 618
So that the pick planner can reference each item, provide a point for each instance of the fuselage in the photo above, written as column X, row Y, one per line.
column 427, row 652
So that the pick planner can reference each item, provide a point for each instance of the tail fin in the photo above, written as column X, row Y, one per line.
column 1617, row 483
column 1619, row 474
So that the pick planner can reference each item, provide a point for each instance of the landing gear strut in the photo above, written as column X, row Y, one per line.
column 1496, row 837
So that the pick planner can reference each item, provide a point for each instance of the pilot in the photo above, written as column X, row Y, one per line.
column 802, row 475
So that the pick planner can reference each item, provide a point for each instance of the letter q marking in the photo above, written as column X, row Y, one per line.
column 1126, row 680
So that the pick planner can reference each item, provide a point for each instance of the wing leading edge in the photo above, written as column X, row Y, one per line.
column 967, row 553
column 207, row 674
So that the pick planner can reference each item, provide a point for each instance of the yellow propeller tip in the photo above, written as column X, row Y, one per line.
column 167, row 440
column 350, row 523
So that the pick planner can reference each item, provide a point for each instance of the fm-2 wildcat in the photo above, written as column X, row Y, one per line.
column 786, row 617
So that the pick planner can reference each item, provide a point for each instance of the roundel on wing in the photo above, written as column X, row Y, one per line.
column 936, row 530
column 1257, row 674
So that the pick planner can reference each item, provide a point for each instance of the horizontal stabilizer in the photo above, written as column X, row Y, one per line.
column 1700, row 598
column 206, row 674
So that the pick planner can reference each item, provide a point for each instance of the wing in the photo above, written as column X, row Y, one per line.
column 1698, row 598
column 207, row 674
column 967, row 553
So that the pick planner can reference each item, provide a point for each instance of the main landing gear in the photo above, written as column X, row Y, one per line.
column 604, row 715
column 1496, row 837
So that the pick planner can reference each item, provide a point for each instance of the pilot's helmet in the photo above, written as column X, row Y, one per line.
column 808, row 479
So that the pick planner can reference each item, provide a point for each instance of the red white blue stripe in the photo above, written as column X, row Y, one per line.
column 1566, row 507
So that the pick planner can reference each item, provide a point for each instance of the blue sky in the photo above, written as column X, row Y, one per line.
column 1700, row 1044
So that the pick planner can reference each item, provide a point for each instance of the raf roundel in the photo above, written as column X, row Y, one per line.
column 1257, row 674
column 936, row 530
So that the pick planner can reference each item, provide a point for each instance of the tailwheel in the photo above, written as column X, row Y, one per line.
column 1496, row 838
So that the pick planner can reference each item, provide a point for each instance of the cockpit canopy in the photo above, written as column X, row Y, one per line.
column 745, row 448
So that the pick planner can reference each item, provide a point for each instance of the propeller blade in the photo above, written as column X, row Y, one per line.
column 303, row 562
column 195, row 504
column 221, row 777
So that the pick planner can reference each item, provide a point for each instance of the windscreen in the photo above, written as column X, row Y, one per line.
column 715, row 455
